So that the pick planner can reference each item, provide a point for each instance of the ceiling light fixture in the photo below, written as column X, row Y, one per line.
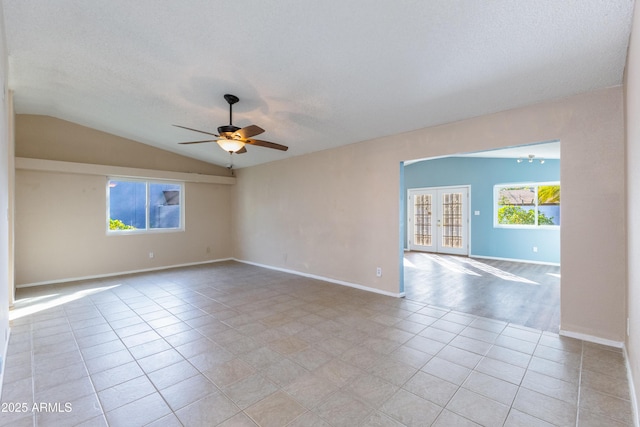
column 530, row 159
column 230, row 145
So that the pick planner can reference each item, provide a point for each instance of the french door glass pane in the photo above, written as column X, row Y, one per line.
column 452, row 220
column 422, row 220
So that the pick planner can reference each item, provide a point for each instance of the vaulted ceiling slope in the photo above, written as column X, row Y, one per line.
column 313, row 74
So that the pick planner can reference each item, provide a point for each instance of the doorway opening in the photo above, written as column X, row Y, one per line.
column 470, row 262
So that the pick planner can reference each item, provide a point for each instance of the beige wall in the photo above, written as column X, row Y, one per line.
column 60, row 224
column 336, row 213
column 333, row 214
column 633, row 198
column 49, row 138
column 61, row 230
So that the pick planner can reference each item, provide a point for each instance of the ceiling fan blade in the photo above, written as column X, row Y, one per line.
column 196, row 130
column 198, row 142
column 267, row 144
column 241, row 151
column 248, row 131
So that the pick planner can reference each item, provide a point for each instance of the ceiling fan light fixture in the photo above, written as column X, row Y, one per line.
column 230, row 145
column 232, row 139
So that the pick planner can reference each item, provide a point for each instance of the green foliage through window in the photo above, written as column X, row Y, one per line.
column 517, row 215
column 116, row 224
column 528, row 204
column 549, row 195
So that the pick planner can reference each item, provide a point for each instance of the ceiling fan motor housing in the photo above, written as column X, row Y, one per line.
column 227, row 129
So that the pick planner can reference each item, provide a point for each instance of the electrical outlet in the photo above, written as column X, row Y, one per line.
column 535, row 249
column 379, row 271
column 151, row 255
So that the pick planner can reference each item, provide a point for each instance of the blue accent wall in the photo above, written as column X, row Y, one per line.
column 481, row 174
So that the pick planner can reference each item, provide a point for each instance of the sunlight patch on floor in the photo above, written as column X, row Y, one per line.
column 408, row 263
column 27, row 306
column 500, row 274
column 449, row 265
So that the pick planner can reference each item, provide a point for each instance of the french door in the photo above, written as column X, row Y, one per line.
column 438, row 220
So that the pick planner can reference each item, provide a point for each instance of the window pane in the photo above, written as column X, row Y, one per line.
column 528, row 205
column 549, row 205
column 127, row 205
column 517, row 196
column 164, row 206
column 422, row 213
column 517, row 205
column 452, row 220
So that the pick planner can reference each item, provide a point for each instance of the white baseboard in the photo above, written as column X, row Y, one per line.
column 120, row 273
column 525, row 261
column 146, row 270
column 591, row 338
column 325, row 279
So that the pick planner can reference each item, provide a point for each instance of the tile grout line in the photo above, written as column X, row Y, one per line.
column 135, row 359
column 33, row 370
column 104, row 413
column 187, row 359
column 520, row 386
column 579, row 385
column 84, row 362
column 471, row 370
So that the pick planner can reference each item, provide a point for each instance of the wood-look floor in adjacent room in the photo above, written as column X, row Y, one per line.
column 521, row 293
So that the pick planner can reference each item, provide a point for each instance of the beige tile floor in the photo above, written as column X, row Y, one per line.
column 236, row 345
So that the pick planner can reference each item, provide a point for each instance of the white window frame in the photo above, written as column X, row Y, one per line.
column 496, row 206
column 147, row 183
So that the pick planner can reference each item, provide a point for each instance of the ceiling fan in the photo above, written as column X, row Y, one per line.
column 232, row 138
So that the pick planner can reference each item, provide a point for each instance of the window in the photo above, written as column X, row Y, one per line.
column 527, row 205
column 143, row 206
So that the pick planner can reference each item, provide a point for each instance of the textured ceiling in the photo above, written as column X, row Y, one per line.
column 313, row 74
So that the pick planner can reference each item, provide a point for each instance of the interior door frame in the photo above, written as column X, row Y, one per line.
column 466, row 250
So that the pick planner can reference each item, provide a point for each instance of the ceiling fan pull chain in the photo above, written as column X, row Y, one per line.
column 230, row 167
